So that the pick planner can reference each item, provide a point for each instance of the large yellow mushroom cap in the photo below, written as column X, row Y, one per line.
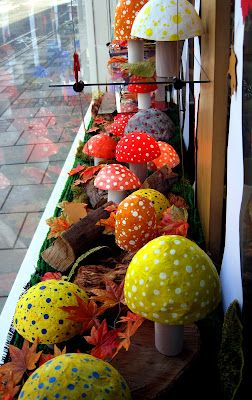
column 73, row 377
column 168, row 20
column 159, row 201
column 172, row 280
column 38, row 314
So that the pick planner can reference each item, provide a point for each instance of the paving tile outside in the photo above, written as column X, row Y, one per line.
column 8, row 138
column 15, row 154
column 19, row 113
column 5, row 124
column 54, row 111
column 50, row 152
column 21, row 124
column 10, row 226
column 24, row 174
column 27, row 198
column 9, row 266
column 53, row 171
column 4, row 191
column 69, row 134
column 28, row 230
column 33, row 94
column 42, row 134
column 2, row 302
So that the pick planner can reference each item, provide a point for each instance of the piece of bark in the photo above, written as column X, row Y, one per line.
column 160, row 180
column 79, row 238
column 96, row 196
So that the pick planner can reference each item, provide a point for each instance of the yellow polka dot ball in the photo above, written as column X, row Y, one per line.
column 172, row 280
column 159, row 201
column 75, row 377
column 38, row 313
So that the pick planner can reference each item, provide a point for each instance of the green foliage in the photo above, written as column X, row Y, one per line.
column 145, row 69
column 79, row 195
column 81, row 156
column 230, row 358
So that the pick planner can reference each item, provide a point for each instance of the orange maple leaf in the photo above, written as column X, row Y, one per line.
column 58, row 225
column 129, row 331
column 109, row 224
column 94, row 129
column 100, row 121
column 131, row 317
column 76, row 170
column 111, row 296
column 90, row 172
column 105, row 341
column 8, row 388
column 21, row 360
column 46, row 357
column 85, row 313
column 58, row 352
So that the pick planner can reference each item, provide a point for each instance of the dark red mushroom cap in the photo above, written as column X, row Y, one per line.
column 118, row 126
column 100, row 146
column 137, row 148
column 143, row 88
column 116, row 177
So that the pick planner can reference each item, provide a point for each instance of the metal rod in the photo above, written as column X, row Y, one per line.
column 123, row 83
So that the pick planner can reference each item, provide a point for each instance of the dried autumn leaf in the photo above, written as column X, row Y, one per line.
column 58, row 225
column 8, row 388
column 111, row 296
column 129, row 331
column 44, row 358
column 85, row 313
column 51, row 275
column 178, row 201
column 89, row 173
column 131, row 317
column 92, row 130
column 111, row 208
column 58, row 352
column 109, row 224
column 105, row 341
column 73, row 211
column 174, row 222
column 100, row 121
column 21, row 360
column 76, row 170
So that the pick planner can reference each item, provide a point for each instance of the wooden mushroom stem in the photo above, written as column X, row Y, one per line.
column 144, row 101
column 140, row 170
column 135, row 51
column 116, row 195
column 169, row 338
column 166, row 65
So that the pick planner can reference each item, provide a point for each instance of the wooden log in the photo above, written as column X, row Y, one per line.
column 79, row 238
column 160, row 180
column 150, row 374
column 96, row 196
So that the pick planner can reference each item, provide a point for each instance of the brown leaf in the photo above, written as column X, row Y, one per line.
column 22, row 360
column 110, row 297
column 73, row 211
column 8, row 388
column 58, row 352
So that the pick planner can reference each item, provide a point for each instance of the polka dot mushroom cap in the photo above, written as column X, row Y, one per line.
column 172, row 281
column 159, row 201
column 136, row 223
column 118, row 126
column 38, row 313
column 116, row 177
column 125, row 14
column 101, row 146
column 154, row 122
column 169, row 20
column 142, row 87
column 137, row 148
column 167, row 157
column 75, row 376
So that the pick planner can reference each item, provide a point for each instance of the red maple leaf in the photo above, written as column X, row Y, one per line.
column 51, row 275
column 76, row 170
column 8, row 388
column 85, row 313
column 131, row 317
column 22, row 360
column 111, row 296
column 100, row 121
column 94, row 129
column 105, row 341
column 246, row 5
column 90, row 172
column 129, row 331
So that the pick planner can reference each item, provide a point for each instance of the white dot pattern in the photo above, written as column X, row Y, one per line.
column 120, row 122
column 147, row 88
column 167, row 157
column 110, row 178
column 127, row 145
column 100, row 146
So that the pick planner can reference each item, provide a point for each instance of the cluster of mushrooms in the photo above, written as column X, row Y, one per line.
column 170, row 280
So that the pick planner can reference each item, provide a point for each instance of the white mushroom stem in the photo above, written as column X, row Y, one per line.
column 135, row 51
column 169, row 338
column 140, row 170
column 98, row 160
column 144, row 101
column 166, row 65
column 116, row 195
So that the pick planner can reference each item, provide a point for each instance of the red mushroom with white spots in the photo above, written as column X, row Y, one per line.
column 167, row 157
column 101, row 147
column 116, row 179
column 143, row 90
column 137, row 148
column 118, row 126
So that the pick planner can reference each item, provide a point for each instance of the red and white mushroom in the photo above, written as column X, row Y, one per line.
column 143, row 90
column 101, row 147
column 167, row 157
column 120, row 122
column 116, row 179
column 137, row 148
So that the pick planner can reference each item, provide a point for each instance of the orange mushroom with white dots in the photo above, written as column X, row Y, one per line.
column 125, row 13
column 116, row 179
column 137, row 148
column 172, row 282
column 168, row 157
column 136, row 223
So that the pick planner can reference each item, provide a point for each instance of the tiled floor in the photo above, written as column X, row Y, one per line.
column 37, row 123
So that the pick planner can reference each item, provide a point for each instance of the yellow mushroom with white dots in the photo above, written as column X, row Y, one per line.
column 159, row 201
column 172, row 282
